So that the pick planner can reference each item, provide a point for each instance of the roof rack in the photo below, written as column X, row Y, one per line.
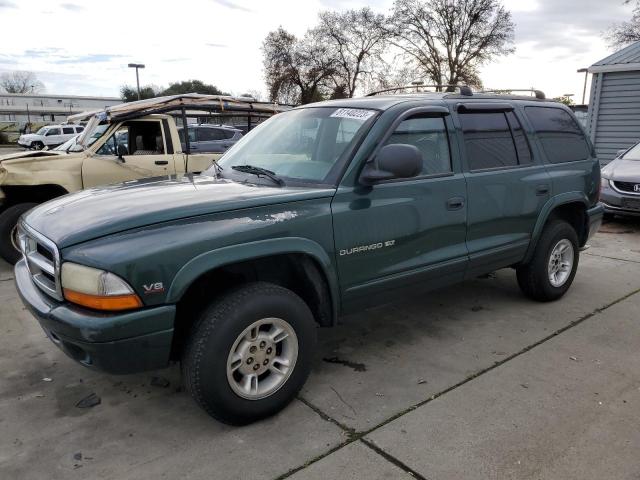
column 539, row 94
column 464, row 89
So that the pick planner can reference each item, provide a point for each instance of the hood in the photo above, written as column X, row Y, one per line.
column 623, row 170
column 97, row 212
column 30, row 154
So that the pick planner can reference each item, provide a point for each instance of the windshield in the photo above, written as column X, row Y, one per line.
column 633, row 153
column 302, row 145
column 68, row 144
column 92, row 132
column 42, row 131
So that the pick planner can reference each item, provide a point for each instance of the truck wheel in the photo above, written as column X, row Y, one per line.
column 550, row 272
column 9, row 249
column 249, row 353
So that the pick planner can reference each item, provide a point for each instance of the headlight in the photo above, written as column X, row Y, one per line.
column 94, row 288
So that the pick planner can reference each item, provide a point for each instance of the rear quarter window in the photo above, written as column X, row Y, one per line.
column 561, row 138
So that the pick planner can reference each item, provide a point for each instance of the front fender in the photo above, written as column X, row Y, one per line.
column 220, row 257
column 552, row 203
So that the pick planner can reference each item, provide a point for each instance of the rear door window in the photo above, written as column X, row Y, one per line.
column 210, row 134
column 68, row 131
column 561, row 137
column 488, row 141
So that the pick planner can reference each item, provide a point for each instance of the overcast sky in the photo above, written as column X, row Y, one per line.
column 83, row 48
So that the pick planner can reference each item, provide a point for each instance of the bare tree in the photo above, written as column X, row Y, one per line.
column 20, row 81
column 296, row 70
column 356, row 38
column 449, row 40
column 625, row 33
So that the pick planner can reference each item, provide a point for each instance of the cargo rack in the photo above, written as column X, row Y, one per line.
column 465, row 90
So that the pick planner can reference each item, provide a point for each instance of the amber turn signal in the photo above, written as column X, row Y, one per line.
column 111, row 303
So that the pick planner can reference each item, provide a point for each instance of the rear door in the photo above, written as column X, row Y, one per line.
column 404, row 233
column 507, row 185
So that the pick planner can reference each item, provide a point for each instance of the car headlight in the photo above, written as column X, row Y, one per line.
column 95, row 288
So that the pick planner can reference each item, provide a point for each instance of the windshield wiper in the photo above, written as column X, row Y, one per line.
column 259, row 171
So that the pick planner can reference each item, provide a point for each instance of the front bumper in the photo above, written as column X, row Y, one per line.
column 616, row 202
column 126, row 342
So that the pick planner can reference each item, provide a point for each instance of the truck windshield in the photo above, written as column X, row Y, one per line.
column 92, row 132
column 304, row 145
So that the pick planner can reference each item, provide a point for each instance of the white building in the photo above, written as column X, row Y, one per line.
column 21, row 108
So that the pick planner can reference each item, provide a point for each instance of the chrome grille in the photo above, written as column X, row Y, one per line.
column 627, row 187
column 43, row 260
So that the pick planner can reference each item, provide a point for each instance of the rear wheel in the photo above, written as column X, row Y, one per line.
column 250, row 353
column 551, row 270
column 9, row 249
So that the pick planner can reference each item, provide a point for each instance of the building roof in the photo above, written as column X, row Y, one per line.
column 74, row 97
column 624, row 60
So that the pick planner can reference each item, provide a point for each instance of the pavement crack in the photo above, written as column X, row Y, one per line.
column 611, row 258
column 391, row 459
column 343, row 400
column 353, row 435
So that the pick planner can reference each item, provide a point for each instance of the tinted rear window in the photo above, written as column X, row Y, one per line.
column 488, row 141
column 210, row 134
column 560, row 135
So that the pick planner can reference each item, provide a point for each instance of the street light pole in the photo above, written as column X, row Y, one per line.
column 137, row 66
column 584, row 89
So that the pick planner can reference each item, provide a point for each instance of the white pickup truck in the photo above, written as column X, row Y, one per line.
column 125, row 142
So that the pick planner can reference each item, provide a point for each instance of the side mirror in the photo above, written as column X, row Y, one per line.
column 122, row 151
column 393, row 161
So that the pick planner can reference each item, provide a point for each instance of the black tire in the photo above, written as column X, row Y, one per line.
column 204, row 359
column 37, row 145
column 8, row 221
column 533, row 277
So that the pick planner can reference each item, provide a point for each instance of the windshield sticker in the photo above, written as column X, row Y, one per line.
column 354, row 113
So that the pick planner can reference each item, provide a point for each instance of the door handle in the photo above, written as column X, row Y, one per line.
column 542, row 189
column 162, row 162
column 455, row 203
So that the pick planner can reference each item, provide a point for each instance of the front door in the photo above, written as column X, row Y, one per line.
column 143, row 145
column 404, row 233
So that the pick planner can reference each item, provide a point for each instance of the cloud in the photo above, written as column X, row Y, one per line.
column 7, row 4
column 72, row 7
column 232, row 5
column 568, row 24
column 96, row 58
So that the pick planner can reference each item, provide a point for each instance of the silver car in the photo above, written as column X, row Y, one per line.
column 210, row 138
column 621, row 184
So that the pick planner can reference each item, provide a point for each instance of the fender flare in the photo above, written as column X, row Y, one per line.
column 545, row 213
column 220, row 257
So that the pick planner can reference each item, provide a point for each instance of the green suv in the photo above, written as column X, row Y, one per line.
column 321, row 210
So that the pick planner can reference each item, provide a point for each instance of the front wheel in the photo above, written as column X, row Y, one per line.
column 250, row 353
column 37, row 145
column 550, row 272
column 9, row 249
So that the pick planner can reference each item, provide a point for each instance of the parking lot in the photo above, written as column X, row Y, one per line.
column 471, row 382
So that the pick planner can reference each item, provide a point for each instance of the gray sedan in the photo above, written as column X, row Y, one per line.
column 621, row 184
column 210, row 138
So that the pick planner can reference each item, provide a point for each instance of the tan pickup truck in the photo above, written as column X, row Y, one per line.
column 124, row 142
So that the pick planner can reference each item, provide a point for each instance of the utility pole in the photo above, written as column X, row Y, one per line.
column 137, row 66
column 584, row 89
